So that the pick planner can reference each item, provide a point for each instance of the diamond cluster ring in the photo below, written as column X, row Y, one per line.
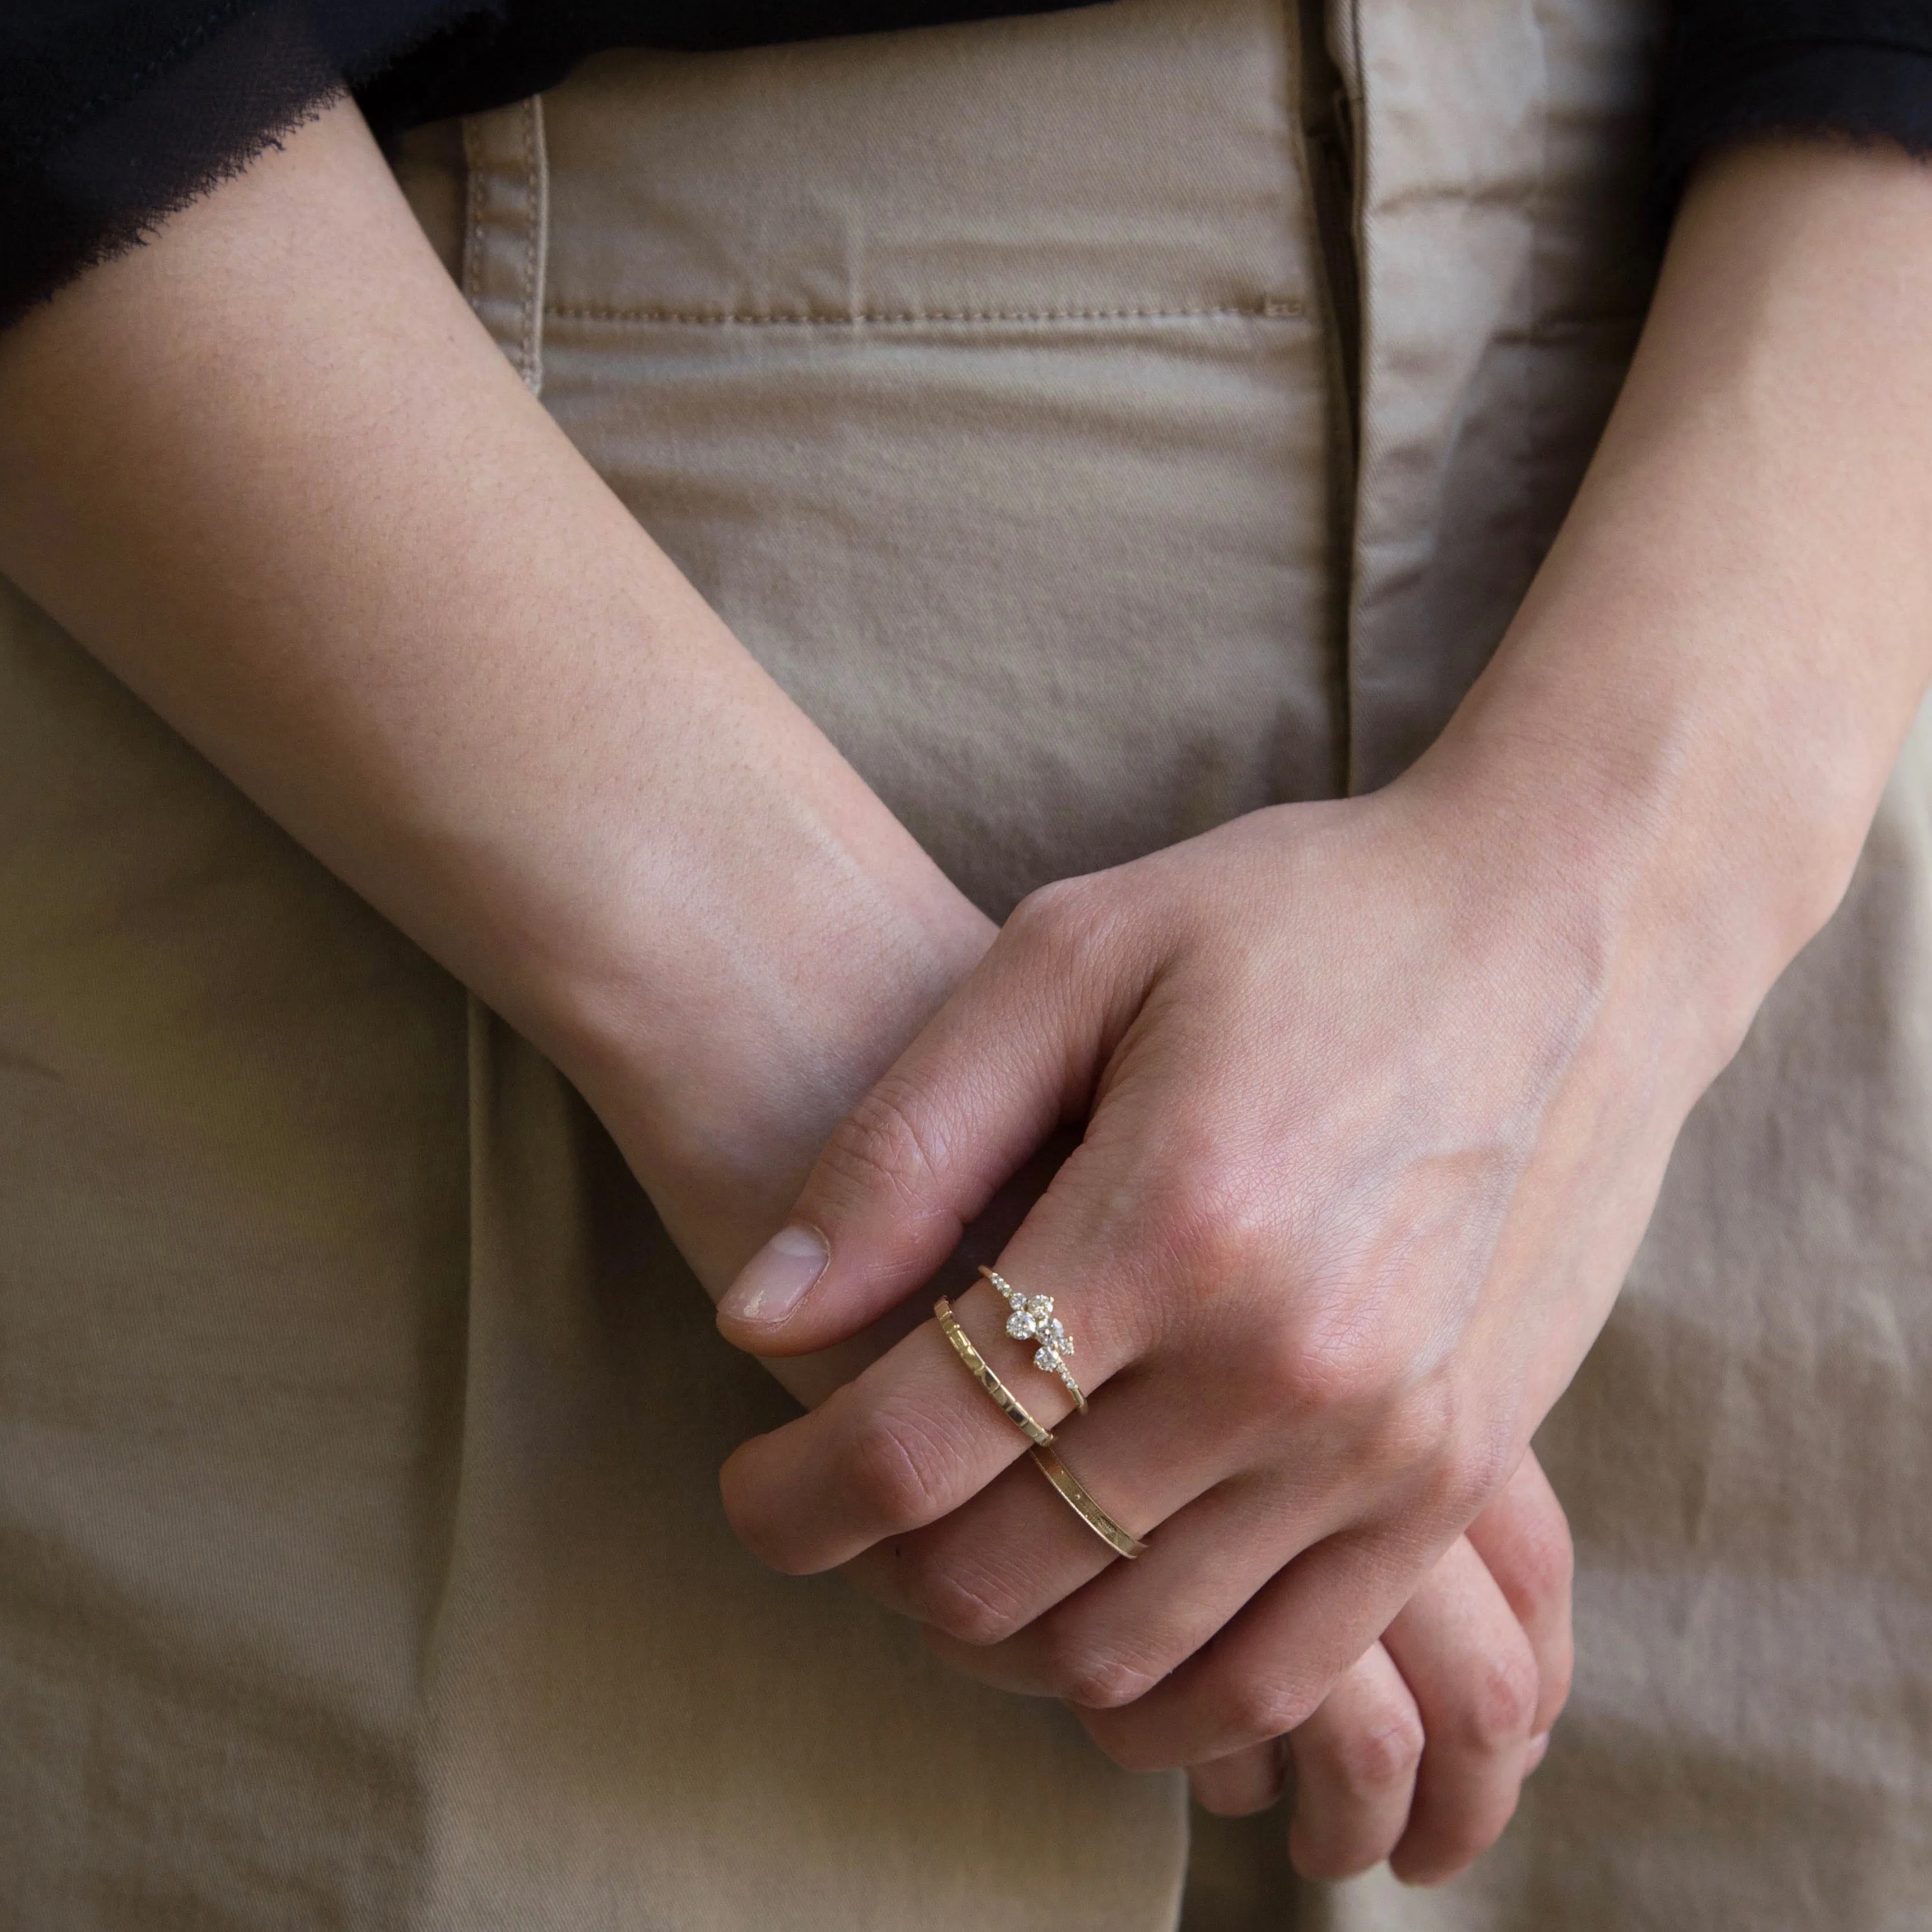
column 1033, row 1320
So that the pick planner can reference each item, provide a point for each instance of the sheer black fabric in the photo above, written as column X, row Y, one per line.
column 113, row 113
column 499, row 56
column 1857, row 68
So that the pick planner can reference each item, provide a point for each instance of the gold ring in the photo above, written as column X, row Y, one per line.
column 1083, row 1506
column 962, row 1347
column 1032, row 1320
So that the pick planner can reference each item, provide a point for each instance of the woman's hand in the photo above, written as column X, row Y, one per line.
column 1378, row 1093
column 1418, row 1753
column 1377, row 1109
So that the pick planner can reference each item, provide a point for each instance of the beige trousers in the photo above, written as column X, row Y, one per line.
column 1104, row 424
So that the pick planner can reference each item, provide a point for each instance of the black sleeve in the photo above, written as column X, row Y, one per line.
column 1859, row 68
column 114, row 113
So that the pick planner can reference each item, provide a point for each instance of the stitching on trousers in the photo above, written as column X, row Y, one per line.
column 1284, row 309
column 532, row 314
column 472, row 253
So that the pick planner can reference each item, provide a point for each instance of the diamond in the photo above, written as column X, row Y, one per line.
column 1031, row 1319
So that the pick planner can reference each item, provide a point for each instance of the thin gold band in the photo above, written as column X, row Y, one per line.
column 1010, row 1403
column 1083, row 1506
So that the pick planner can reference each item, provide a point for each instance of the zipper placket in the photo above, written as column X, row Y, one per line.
column 1328, row 125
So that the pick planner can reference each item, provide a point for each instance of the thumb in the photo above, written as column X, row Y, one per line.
column 995, row 1070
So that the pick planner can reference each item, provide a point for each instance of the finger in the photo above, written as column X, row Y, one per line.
column 913, row 1439
column 1012, row 1054
column 989, row 1572
column 1118, row 1629
column 1265, row 1674
column 969, row 1576
column 1355, row 1761
column 1523, row 1537
column 1242, row 1782
column 1471, row 1669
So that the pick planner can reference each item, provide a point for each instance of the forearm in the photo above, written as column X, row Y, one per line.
column 1697, row 710
column 271, row 470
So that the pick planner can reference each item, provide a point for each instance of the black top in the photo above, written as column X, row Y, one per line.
column 114, row 112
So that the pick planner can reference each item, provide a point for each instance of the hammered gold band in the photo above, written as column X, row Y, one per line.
column 1069, row 1486
column 1010, row 1403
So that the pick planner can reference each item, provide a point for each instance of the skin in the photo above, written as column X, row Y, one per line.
column 1376, row 1094
column 270, row 469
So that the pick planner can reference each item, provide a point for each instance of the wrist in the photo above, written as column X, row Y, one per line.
column 720, row 1091
column 1678, row 863
column 1685, row 734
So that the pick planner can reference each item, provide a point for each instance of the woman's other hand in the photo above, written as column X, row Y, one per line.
column 270, row 468
column 1418, row 1754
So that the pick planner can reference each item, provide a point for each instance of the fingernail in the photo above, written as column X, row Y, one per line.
column 1536, row 1750
column 776, row 1277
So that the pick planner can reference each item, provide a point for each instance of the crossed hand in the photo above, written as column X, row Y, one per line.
column 1374, row 1114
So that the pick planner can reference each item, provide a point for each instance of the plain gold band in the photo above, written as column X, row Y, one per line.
column 1083, row 1506
column 1010, row 1403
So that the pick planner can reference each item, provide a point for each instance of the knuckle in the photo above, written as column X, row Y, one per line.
column 1094, row 1677
column 1472, row 1843
column 1063, row 919
column 1450, row 1849
column 1127, row 1744
column 1555, row 1693
column 1327, row 1863
column 941, row 1596
column 1411, row 1869
column 1474, row 1471
column 768, row 1536
column 1261, row 1709
column 1500, row 1708
column 1467, row 1841
column 1240, row 1784
column 1214, row 1238
column 1416, row 1434
column 963, row 1606
column 898, row 1472
column 1544, row 1563
column 1341, row 1371
column 1464, row 1470
column 1378, row 1755
column 880, row 1146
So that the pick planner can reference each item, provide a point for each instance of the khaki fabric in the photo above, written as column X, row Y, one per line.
column 976, row 375
column 1503, row 266
column 1746, row 1456
column 363, row 1560
column 360, row 1557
